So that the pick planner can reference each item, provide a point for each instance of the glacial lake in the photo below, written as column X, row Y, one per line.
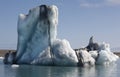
column 112, row 70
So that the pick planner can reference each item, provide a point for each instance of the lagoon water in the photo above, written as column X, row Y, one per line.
column 112, row 70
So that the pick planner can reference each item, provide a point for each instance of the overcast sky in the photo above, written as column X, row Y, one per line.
column 78, row 20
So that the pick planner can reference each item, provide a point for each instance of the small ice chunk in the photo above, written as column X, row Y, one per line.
column 14, row 66
column 1, row 58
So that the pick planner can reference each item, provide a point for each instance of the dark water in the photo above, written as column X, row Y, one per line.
column 47, row 71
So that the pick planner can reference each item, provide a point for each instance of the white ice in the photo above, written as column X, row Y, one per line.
column 105, row 55
column 38, row 42
column 62, row 55
column 14, row 66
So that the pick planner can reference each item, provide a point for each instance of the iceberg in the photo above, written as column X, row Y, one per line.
column 105, row 55
column 38, row 43
column 101, row 53
column 37, row 40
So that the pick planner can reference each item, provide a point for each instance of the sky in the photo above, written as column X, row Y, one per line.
column 78, row 21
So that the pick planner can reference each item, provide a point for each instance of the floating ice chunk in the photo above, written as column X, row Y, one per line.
column 1, row 58
column 14, row 66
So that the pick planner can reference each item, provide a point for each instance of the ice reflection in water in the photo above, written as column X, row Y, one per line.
column 49, row 71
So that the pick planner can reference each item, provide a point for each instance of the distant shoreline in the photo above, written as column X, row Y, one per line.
column 3, row 52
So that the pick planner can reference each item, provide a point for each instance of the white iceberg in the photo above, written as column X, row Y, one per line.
column 38, row 43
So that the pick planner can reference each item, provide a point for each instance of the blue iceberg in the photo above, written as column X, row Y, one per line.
column 38, row 43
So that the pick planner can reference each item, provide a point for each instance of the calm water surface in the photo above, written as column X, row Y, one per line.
column 48, row 71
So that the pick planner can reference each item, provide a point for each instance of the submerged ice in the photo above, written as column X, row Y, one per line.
column 38, row 43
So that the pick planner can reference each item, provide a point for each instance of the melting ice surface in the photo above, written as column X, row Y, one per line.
column 38, row 42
